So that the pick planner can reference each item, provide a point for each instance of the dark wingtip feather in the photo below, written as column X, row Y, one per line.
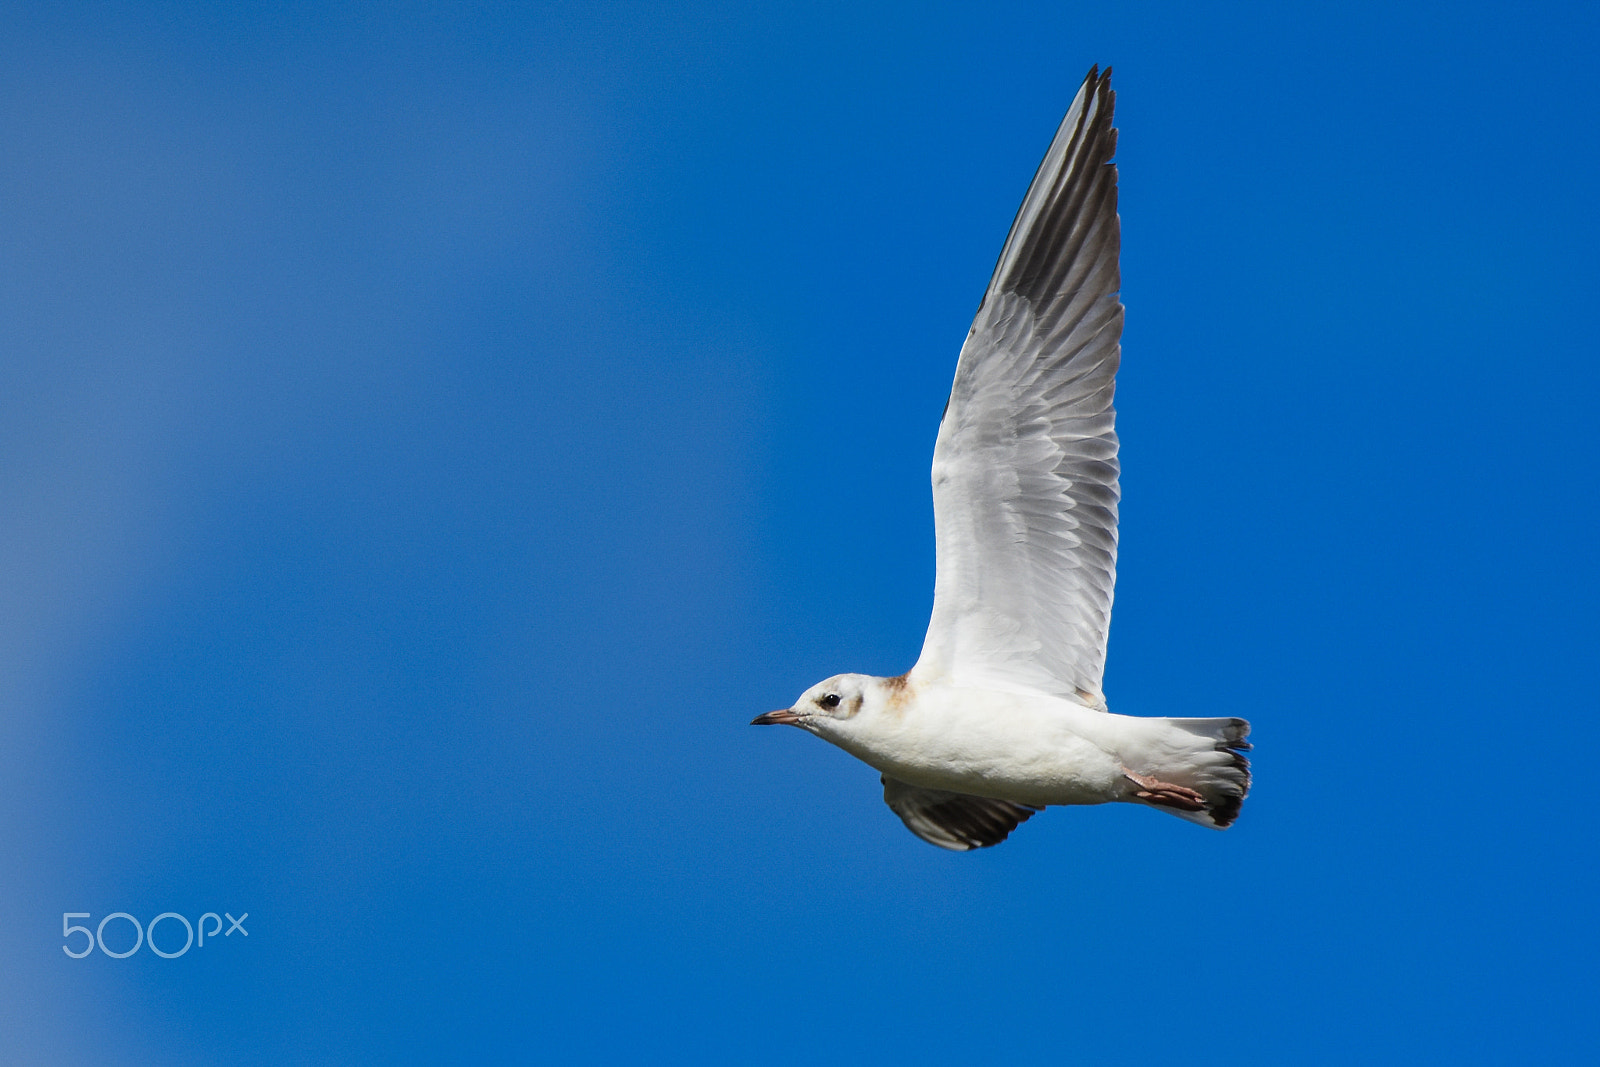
column 1224, row 812
column 955, row 821
column 1077, row 182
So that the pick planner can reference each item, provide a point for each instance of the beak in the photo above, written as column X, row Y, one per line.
column 783, row 717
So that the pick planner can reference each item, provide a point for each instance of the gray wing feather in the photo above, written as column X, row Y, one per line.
column 955, row 821
column 1025, row 469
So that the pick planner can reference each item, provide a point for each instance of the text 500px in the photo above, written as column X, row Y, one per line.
column 141, row 934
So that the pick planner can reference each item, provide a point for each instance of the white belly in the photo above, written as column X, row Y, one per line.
column 1030, row 749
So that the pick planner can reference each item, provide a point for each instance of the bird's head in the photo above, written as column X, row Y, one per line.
column 834, row 709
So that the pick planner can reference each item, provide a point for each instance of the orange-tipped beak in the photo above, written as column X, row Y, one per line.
column 784, row 717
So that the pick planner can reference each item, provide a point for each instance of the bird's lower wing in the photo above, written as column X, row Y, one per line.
column 955, row 821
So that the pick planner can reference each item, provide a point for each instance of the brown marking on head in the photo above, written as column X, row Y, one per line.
column 899, row 691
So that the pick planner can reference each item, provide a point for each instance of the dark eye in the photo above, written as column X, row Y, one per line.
column 830, row 701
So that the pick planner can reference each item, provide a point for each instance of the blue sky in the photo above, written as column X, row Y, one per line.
column 429, row 433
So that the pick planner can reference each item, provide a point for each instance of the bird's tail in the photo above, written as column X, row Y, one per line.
column 1198, row 771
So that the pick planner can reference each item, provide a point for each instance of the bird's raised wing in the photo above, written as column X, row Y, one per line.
column 1025, row 469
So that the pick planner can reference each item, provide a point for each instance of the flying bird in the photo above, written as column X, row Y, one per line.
column 1003, row 713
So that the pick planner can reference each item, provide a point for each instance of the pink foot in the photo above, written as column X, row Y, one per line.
column 1155, row 791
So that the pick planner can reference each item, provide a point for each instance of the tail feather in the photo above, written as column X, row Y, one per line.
column 1215, row 766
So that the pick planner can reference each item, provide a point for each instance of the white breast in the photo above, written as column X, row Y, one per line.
column 1027, row 748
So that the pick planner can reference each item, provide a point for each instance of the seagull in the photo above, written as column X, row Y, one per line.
column 1003, row 713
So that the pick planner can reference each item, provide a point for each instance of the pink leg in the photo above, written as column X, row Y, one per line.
column 1155, row 791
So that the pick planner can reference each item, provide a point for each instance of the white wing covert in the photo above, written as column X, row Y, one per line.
column 1025, row 469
